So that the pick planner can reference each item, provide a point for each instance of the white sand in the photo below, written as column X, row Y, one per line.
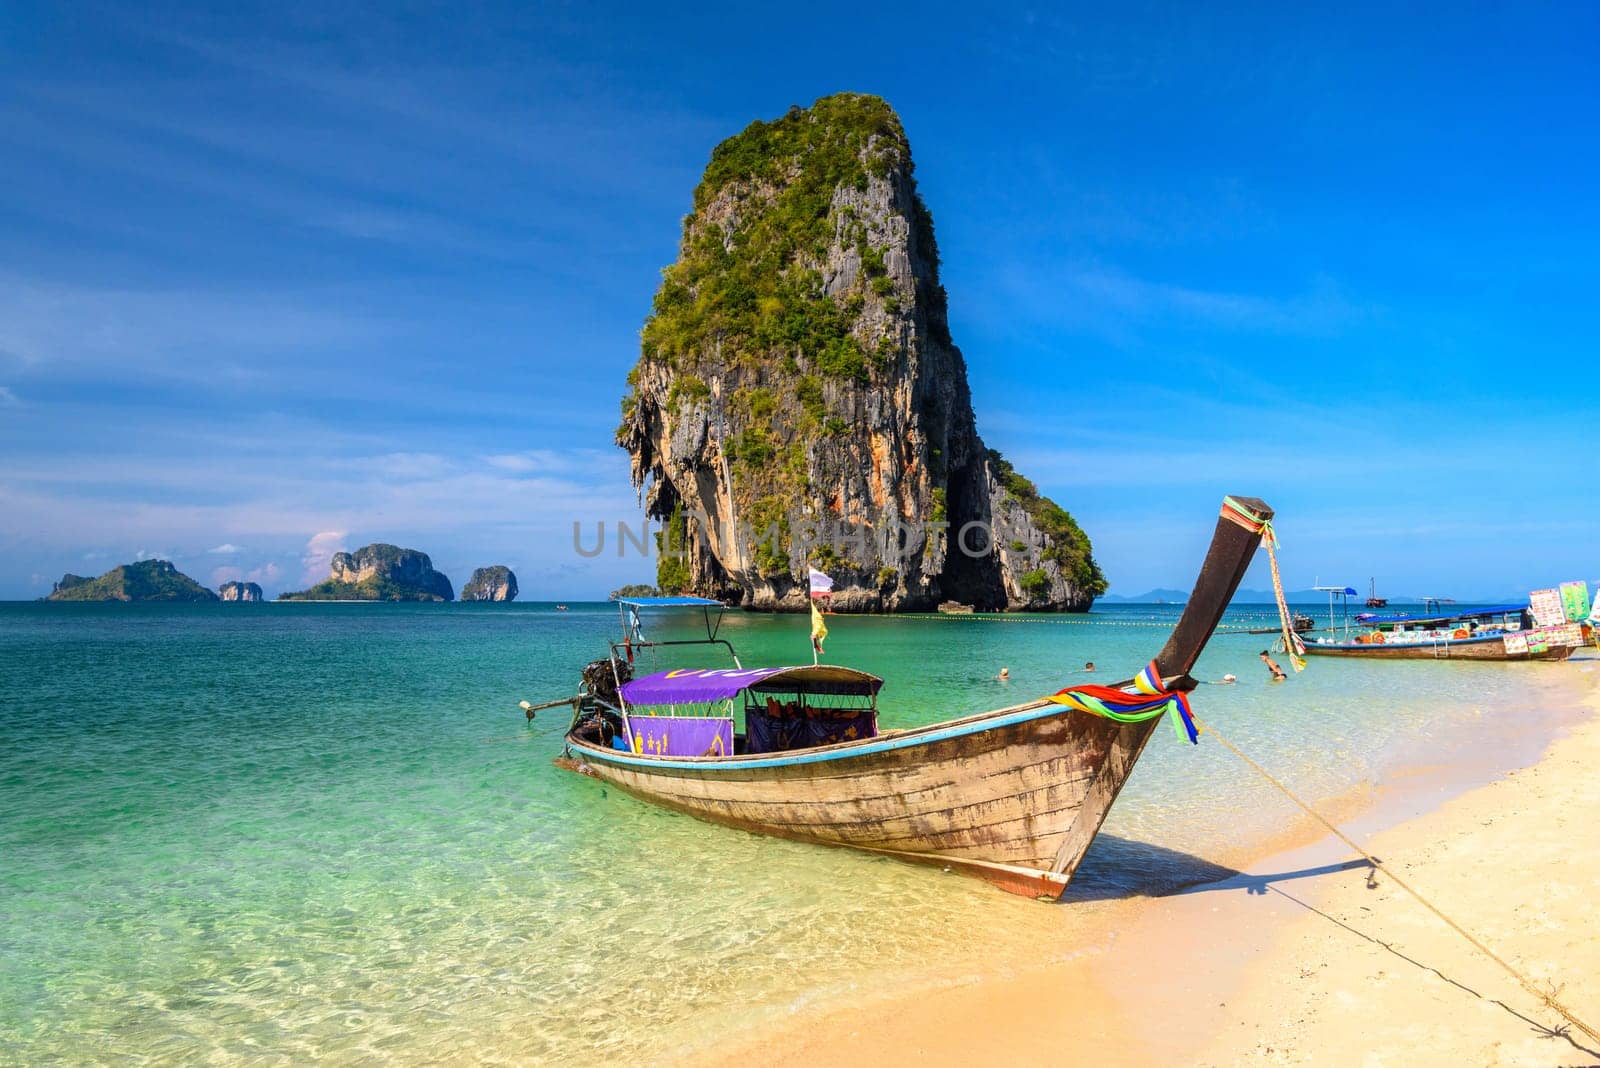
column 1299, row 961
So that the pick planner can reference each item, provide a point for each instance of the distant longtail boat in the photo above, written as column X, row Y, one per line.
column 1014, row 796
column 1500, row 632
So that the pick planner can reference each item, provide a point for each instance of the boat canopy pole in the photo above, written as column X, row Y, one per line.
column 725, row 643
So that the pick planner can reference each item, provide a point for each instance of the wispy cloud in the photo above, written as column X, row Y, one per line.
column 226, row 549
column 1316, row 310
column 9, row 399
column 185, row 334
column 1118, row 304
column 1319, row 309
column 319, row 554
column 267, row 574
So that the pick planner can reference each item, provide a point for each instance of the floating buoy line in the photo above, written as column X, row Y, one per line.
column 973, row 617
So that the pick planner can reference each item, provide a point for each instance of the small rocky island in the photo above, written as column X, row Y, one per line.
column 239, row 591
column 143, row 581
column 797, row 372
column 379, row 572
column 495, row 583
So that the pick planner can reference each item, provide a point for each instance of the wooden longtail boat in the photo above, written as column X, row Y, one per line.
column 1501, row 632
column 1014, row 796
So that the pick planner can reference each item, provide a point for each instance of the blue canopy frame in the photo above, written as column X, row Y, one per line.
column 632, row 632
column 1372, row 619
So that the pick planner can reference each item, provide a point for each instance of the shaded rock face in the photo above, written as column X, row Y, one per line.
column 391, row 565
column 143, row 581
column 69, row 581
column 239, row 591
column 799, row 401
column 496, row 583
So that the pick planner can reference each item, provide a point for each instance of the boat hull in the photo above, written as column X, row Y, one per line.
column 1454, row 649
column 1013, row 796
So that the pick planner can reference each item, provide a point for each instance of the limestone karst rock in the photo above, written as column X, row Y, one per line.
column 495, row 583
column 379, row 572
column 144, row 580
column 799, row 402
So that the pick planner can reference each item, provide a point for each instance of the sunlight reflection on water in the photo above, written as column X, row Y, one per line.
column 253, row 832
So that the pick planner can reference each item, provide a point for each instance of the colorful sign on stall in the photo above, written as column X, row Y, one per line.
column 1546, row 608
column 1575, row 601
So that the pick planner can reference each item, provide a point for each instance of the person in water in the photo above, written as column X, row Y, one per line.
column 1272, row 666
column 1005, row 675
column 1089, row 666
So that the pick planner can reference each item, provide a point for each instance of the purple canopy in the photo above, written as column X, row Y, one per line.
column 698, row 685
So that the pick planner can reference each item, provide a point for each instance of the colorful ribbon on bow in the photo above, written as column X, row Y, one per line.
column 1147, row 700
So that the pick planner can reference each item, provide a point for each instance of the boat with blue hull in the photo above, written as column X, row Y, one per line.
column 1497, row 632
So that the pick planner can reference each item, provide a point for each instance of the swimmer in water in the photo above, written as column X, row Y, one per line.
column 1005, row 675
column 1272, row 666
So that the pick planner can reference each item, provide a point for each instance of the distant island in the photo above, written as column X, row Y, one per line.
column 379, row 572
column 239, row 591
column 145, row 580
column 636, row 589
column 495, row 583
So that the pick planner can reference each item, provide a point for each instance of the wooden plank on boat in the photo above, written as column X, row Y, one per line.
column 1014, row 796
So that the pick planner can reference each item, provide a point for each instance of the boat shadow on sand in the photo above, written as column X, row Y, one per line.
column 1119, row 868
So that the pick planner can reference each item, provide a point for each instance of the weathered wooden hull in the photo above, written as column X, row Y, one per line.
column 1014, row 796
column 1454, row 649
column 998, row 795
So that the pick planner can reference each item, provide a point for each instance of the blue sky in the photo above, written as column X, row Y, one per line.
column 292, row 278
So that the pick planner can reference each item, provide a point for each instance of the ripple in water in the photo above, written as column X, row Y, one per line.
column 271, row 832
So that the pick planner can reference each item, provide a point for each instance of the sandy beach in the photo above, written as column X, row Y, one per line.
column 1304, row 957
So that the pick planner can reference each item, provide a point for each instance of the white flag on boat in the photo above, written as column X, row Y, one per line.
column 821, row 585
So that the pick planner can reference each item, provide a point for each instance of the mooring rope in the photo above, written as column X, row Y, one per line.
column 1237, row 513
column 1544, row 997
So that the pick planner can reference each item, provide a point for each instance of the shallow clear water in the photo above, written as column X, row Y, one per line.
column 262, row 832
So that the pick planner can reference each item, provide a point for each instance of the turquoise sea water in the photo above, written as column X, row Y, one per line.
column 270, row 832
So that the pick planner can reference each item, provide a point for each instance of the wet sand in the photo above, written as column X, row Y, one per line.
column 1303, row 957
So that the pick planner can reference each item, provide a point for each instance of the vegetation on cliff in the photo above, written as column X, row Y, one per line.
column 797, row 367
column 379, row 572
column 146, row 580
column 494, row 583
column 755, row 284
column 368, row 589
column 1069, row 546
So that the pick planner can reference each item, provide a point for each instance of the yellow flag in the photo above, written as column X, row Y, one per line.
column 819, row 629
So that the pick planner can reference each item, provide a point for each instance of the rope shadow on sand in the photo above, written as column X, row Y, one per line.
column 1120, row 868
column 1543, row 1030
